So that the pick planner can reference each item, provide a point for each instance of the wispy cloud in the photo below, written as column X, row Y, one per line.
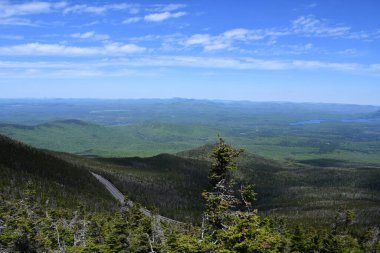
column 132, row 8
column 17, row 22
column 303, row 26
column 101, row 9
column 274, row 49
column 158, row 17
column 236, row 63
column 11, row 14
column 63, row 50
column 165, row 7
column 8, row 9
column 311, row 26
column 227, row 39
column 90, row 35
column 247, row 63
column 131, row 20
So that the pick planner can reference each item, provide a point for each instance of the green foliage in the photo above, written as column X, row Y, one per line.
column 231, row 230
column 248, row 195
column 43, row 177
column 223, row 156
column 174, row 183
column 117, row 238
column 220, row 198
column 247, row 233
column 28, row 224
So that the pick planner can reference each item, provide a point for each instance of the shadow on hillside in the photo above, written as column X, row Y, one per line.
column 324, row 162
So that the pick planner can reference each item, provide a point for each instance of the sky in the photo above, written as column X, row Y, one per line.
column 274, row 50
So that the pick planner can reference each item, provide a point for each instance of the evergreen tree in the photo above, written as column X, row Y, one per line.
column 117, row 238
column 228, row 228
column 221, row 199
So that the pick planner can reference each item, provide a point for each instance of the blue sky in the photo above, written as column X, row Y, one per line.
column 301, row 51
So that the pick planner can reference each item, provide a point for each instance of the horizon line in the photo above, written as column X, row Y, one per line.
column 184, row 98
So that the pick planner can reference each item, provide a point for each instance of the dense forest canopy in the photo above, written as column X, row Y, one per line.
column 34, row 221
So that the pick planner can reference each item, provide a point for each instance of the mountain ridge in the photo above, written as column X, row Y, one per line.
column 53, row 175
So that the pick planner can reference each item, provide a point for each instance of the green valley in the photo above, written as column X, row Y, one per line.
column 283, row 131
column 314, row 168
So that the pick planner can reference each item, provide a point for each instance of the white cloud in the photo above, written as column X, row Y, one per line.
column 154, row 13
column 90, row 35
column 309, row 25
column 131, row 20
column 202, row 39
column 238, row 33
column 362, row 35
column 36, row 7
column 84, row 8
column 247, row 63
column 10, row 13
column 208, row 42
column 117, row 49
column 17, row 22
column 166, row 8
column 227, row 39
column 313, row 27
column 237, row 63
column 158, row 17
column 63, row 50
column 80, row 8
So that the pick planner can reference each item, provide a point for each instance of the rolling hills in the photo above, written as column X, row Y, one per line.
column 173, row 183
column 49, row 203
column 125, row 128
column 314, row 193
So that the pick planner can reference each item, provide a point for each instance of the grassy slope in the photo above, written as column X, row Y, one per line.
column 350, row 142
column 90, row 139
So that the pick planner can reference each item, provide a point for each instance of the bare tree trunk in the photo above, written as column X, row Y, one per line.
column 58, row 238
column 150, row 244
column 203, row 227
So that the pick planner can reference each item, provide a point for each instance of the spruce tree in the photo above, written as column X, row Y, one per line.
column 220, row 199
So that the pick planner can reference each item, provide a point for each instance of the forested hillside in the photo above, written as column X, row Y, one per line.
column 57, row 181
column 36, row 216
column 172, row 184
